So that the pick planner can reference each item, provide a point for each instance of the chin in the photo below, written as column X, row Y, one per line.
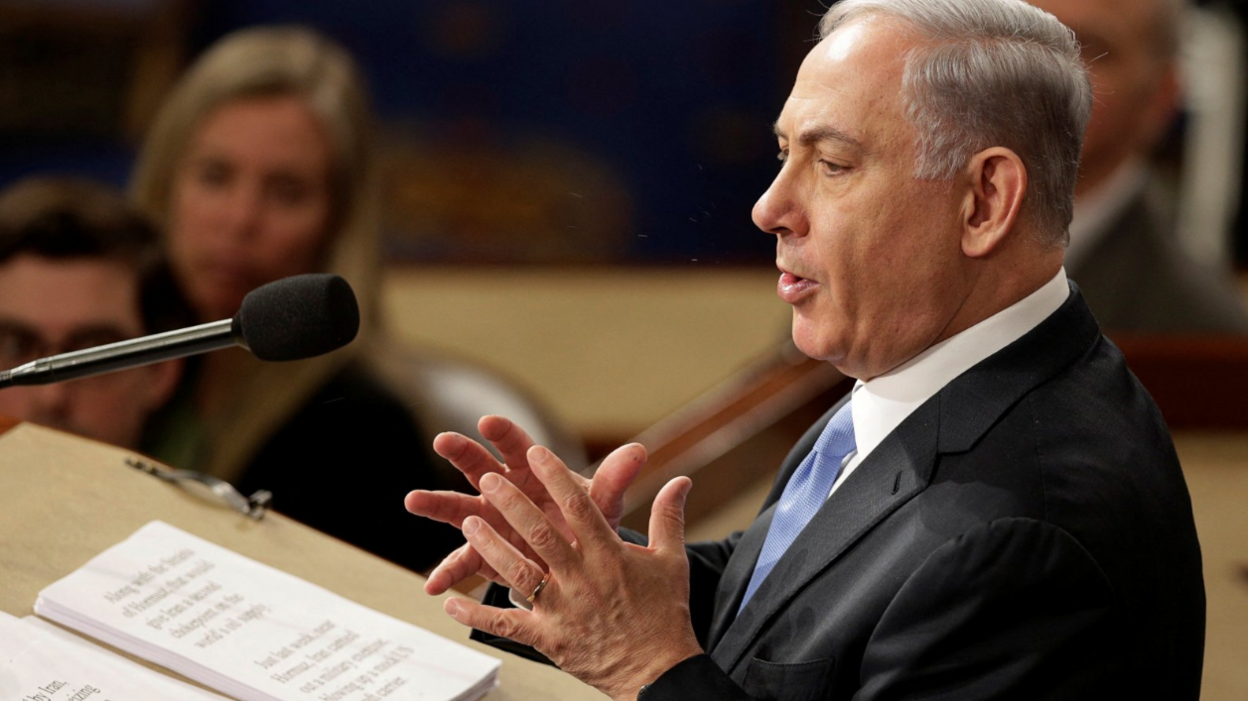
column 814, row 342
column 823, row 344
column 216, row 307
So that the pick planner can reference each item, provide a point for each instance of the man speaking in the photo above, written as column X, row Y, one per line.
column 996, row 512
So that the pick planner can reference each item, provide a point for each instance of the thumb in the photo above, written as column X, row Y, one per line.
column 667, row 515
column 612, row 479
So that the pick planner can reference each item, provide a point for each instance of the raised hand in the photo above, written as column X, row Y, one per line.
column 613, row 614
column 606, row 490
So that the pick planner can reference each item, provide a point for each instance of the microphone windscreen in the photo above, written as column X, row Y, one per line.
column 298, row 317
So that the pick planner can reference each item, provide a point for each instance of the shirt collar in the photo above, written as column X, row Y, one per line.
column 882, row 403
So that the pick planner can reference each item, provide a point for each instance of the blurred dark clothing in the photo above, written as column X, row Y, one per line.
column 1136, row 278
column 342, row 465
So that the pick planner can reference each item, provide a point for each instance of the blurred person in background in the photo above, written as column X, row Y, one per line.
column 80, row 267
column 260, row 165
column 1123, row 250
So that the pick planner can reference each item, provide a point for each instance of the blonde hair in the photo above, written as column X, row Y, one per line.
column 277, row 62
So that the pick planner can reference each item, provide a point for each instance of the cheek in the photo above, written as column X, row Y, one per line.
column 907, row 263
column 190, row 219
column 99, row 402
column 295, row 240
column 15, row 402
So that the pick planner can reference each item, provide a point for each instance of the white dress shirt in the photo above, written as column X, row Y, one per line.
column 882, row 403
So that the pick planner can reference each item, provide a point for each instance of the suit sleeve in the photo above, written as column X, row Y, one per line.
column 707, row 561
column 1013, row 609
column 1016, row 608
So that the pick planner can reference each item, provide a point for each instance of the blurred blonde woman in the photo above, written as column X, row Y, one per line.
column 260, row 165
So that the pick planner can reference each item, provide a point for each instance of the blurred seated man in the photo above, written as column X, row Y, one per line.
column 1123, row 249
column 77, row 269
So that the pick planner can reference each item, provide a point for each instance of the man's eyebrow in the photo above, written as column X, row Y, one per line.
column 815, row 134
column 98, row 329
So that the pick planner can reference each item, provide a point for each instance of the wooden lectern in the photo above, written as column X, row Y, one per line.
column 65, row 499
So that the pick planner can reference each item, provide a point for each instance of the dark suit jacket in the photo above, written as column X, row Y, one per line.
column 1024, row 534
column 1138, row 279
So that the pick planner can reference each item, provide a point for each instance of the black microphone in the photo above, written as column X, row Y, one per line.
column 290, row 319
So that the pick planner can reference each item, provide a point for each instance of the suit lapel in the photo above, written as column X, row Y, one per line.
column 900, row 468
column 737, row 575
column 897, row 470
column 741, row 566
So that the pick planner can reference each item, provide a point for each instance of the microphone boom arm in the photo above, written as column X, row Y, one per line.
column 124, row 354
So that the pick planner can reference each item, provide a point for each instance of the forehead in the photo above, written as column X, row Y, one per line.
column 279, row 130
column 851, row 82
column 59, row 296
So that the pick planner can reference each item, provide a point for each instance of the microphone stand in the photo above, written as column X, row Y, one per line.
column 125, row 354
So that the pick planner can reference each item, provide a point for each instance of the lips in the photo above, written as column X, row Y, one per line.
column 229, row 273
column 794, row 288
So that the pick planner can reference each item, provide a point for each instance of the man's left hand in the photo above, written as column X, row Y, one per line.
column 611, row 613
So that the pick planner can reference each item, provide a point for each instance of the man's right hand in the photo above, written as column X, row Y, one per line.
column 612, row 478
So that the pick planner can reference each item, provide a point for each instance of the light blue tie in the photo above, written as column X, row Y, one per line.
column 806, row 491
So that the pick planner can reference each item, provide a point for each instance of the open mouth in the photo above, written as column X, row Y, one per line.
column 792, row 288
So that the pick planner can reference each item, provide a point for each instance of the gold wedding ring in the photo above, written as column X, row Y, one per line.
column 540, row 586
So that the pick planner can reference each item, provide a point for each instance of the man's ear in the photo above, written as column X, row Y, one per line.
column 162, row 380
column 998, row 182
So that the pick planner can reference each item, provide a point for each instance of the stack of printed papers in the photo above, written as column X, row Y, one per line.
column 41, row 662
column 253, row 632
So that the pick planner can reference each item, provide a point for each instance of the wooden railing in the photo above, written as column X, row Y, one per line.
column 737, row 434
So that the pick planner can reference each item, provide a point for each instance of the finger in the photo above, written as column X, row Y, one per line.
column 453, row 568
column 511, row 440
column 461, row 564
column 667, row 515
column 513, row 444
column 514, row 624
column 612, row 479
column 468, row 456
column 453, row 508
column 517, row 571
column 579, row 511
column 528, row 521
column 447, row 507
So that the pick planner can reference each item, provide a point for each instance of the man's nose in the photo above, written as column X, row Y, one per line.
column 777, row 211
column 53, row 400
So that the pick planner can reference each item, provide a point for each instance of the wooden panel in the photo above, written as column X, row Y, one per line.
column 1197, row 381
column 736, row 434
column 1216, row 467
column 65, row 499
column 7, row 422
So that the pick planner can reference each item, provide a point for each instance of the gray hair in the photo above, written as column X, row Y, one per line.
column 992, row 73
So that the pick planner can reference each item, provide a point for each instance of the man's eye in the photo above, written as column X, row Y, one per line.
column 91, row 339
column 17, row 347
column 783, row 155
column 829, row 168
